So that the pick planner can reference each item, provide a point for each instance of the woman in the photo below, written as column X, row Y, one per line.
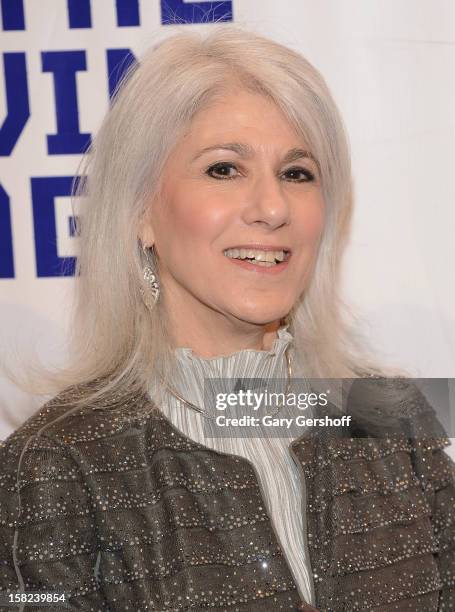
column 215, row 211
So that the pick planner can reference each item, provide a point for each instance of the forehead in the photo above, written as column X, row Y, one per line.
column 241, row 116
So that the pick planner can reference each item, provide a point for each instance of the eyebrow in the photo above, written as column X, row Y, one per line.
column 246, row 151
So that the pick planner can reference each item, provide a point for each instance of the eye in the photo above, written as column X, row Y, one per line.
column 220, row 168
column 220, row 171
column 309, row 176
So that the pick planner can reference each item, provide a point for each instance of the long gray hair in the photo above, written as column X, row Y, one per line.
column 117, row 341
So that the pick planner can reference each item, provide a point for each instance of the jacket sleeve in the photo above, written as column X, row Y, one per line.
column 48, row 539
column 436, row 472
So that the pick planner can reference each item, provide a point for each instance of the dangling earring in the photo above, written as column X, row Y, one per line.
column 151, row 277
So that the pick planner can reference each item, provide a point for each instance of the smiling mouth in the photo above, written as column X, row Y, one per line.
column 265, row 258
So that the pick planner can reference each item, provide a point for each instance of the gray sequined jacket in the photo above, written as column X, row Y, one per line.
column 117, row 509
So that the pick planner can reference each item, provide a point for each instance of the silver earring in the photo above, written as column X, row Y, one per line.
column 151, row 278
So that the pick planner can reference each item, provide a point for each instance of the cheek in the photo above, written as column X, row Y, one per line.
column 312, row 220
column 196, row 219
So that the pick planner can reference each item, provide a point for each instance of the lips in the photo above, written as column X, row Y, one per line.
column 258, row 255
column 261, row 268
column 261, row 247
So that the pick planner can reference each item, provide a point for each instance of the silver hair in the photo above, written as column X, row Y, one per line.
column 117, row 342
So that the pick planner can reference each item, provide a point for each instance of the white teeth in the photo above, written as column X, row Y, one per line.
column 259, row 257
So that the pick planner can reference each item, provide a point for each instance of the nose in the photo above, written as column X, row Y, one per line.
column 267, row 202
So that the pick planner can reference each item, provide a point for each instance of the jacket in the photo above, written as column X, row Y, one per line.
column 115, row 509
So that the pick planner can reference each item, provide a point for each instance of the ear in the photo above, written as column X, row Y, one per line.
column 146, row 234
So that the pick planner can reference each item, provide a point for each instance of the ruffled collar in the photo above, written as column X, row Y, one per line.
column 281, row 342
column 246, row 363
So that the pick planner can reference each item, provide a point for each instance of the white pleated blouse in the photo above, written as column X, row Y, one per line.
column 281, row 482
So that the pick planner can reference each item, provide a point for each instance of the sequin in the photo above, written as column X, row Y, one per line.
column 124, row 513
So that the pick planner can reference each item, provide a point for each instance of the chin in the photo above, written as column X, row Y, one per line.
column 258, row 317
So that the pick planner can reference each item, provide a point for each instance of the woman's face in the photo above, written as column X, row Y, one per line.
column 239, row 178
